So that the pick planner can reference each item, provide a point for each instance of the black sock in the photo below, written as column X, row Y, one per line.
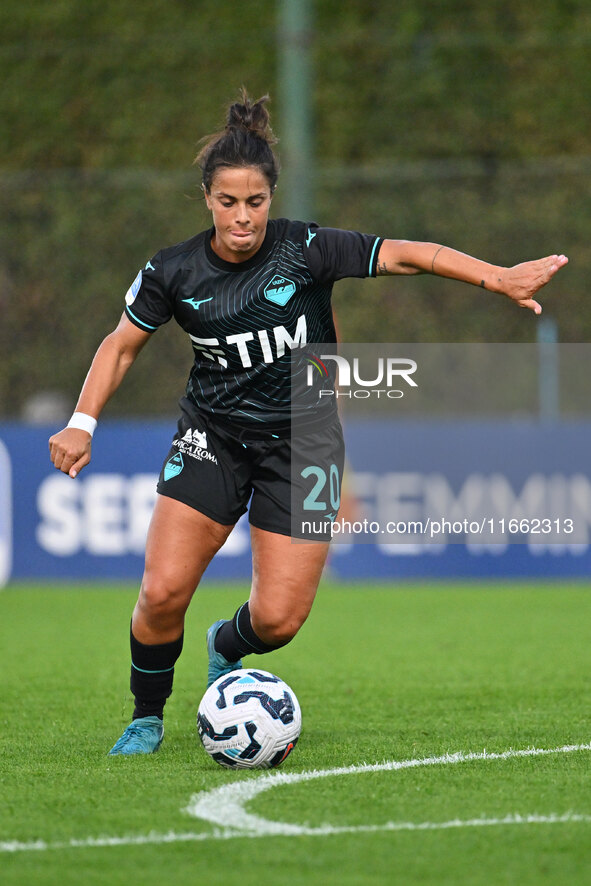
column 152, row 672
column 237, row 637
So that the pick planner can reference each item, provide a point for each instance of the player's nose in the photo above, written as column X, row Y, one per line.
column 241, row 213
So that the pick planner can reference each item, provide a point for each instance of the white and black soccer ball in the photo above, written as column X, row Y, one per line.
column 249, row 719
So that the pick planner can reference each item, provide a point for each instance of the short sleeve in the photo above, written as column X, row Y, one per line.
column 148, row 303
column 332, row 254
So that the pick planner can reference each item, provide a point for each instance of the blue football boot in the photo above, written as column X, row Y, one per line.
column 218, row 665
column 142, row 736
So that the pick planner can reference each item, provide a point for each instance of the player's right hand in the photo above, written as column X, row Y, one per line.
column 70, row 450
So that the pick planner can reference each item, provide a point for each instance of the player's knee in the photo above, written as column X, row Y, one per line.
column 161, row 600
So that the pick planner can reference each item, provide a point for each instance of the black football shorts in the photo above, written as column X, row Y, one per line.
column 289, row 485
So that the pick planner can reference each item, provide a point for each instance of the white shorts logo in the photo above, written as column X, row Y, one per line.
column 194, row 443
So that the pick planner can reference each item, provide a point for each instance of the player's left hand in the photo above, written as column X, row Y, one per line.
column 521, row 282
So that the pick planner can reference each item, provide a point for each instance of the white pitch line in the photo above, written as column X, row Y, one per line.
column 236, row 822
column 101, row 842
column 155, row 839
column 225, row 806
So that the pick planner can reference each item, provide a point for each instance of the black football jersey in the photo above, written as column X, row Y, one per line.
column 245, row 318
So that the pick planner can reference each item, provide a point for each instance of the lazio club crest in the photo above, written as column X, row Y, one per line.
column 280, row 290
column 173, row 466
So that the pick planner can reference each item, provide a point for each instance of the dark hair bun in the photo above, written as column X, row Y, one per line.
column 251, row 116
column 246, row 141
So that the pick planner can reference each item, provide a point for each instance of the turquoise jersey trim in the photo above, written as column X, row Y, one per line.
column 375, row 246
column 137, row 320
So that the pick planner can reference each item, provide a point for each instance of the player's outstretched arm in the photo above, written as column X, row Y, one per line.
column 70, row 448
column 519, row 283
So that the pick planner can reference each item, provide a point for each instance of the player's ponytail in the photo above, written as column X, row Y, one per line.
column 246, row 141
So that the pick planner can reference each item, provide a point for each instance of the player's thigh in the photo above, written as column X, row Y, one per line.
column 285, row 579
column 181, row 542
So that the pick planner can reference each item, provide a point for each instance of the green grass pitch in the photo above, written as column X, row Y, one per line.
column 382, row 674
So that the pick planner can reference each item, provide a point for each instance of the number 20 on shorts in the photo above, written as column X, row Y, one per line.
column 323, row 486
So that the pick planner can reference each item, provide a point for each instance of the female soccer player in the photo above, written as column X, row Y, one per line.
column 247, row 291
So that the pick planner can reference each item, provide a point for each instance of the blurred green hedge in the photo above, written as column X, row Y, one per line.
column 460, row 123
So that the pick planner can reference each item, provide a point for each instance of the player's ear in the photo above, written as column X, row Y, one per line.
column 207, row 197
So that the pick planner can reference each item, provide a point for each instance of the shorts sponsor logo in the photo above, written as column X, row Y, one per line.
column 194, row 443
column 173, row 466
column 199, row 438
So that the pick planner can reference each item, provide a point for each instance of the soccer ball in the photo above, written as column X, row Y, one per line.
column 249, row 719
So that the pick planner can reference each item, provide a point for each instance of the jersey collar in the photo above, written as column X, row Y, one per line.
column 252, row 262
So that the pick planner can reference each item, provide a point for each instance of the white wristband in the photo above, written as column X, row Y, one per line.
column 83, row 422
